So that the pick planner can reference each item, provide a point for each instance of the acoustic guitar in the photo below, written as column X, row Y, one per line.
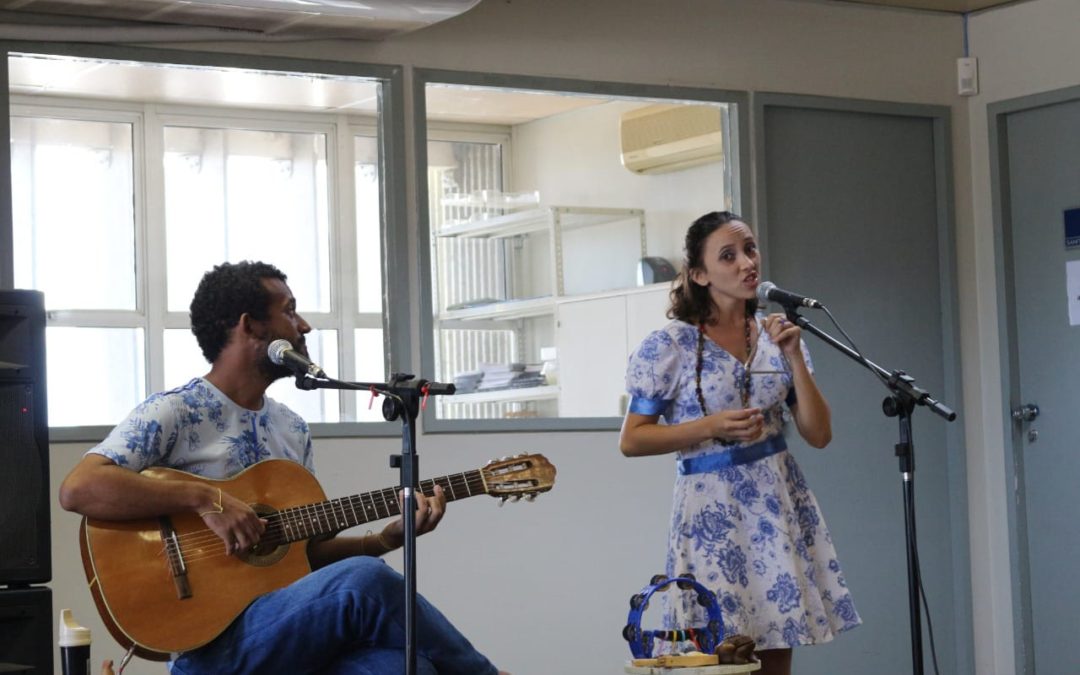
column 166, row 585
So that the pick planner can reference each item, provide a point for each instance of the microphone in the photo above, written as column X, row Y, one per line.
column 281, row 352
column 767, row 291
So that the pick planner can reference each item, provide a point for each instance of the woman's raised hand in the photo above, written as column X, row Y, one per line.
column 784, row 334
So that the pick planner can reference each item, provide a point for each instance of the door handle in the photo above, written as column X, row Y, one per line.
column 1025, row 413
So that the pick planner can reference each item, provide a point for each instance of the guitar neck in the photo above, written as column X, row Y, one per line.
column 311, row 520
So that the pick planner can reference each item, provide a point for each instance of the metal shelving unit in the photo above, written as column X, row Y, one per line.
column 552, row 221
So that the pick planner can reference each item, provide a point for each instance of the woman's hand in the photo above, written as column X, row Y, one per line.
column 784, row 334
column 737, row 425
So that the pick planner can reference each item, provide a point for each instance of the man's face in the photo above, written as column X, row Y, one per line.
column 282, row 322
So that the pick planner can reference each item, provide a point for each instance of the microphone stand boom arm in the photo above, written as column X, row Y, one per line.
column 901, row 403
column 897, row 381
column 404, row 395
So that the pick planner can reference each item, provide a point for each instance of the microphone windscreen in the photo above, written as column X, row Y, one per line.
column 763, row 290
column 276, row 350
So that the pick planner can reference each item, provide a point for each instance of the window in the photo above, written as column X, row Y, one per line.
column 543, row 203
column 121, row 205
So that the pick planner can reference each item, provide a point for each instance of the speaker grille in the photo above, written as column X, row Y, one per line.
column 21, row 480
column 25, row 544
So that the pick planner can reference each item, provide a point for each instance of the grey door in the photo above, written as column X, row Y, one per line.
column 854, row 202
column 1042, row 180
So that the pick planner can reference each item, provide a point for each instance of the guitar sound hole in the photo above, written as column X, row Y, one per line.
column 265, row 553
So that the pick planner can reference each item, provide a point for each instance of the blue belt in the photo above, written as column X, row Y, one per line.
column 714, row 461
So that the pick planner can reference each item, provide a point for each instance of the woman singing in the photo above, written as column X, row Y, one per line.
column 743, row 521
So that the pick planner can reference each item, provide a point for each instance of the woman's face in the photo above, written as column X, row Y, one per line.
column 729, row 263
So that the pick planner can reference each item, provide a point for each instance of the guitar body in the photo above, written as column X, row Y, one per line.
column 138, row 596
column 165, row 585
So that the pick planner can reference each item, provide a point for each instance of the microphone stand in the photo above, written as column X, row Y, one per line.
column 901, row 403
column 405, row 395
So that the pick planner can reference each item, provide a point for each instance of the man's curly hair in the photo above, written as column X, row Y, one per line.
column 224, row 294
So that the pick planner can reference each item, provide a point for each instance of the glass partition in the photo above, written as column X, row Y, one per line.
column 555, row 220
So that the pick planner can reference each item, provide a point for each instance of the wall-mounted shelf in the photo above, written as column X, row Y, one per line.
column 537, row 220
column 543, row 393
column 505, row 310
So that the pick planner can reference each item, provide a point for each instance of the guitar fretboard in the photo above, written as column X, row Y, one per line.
column 304, row 522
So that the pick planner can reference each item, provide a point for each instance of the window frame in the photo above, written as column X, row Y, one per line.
column 741, row 195
column 151, row 311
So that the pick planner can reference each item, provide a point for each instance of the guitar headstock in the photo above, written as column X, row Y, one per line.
column 516, row 477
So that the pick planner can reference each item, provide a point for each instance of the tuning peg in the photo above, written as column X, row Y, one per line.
column 516, row 498
column 502, row 500
column 531, row 497
column 490, row 462
column 505, row 458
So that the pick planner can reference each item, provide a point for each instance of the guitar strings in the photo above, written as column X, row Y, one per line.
column 312, row 519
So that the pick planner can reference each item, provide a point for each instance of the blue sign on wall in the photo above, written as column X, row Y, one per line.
column 1072, row 228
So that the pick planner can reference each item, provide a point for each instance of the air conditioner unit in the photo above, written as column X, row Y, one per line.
column 666, row 137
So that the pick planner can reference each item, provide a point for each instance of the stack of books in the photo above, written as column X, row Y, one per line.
column 467, row 382
column 495, row 376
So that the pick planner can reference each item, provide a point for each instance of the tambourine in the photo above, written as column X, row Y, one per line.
column 705, row 638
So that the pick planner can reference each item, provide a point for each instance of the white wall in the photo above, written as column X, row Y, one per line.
column 574, row 159
column 543, row 587
column 1022, row 49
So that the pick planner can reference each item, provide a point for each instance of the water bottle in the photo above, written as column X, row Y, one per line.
column 74, row 645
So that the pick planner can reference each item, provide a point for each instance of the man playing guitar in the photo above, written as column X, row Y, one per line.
column 346, row 616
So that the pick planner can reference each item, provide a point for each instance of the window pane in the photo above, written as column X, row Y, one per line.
column 370, row 367
column 236, row 195
column 72, row 203
column 184, row 360
column 93, row 391
column 368, row 231
column 578, row 236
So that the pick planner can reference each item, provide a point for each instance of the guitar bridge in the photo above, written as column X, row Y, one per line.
column 175, row 556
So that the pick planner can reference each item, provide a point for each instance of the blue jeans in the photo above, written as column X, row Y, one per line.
column 348, row 617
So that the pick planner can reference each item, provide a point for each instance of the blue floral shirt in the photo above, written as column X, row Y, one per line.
column 197, row 429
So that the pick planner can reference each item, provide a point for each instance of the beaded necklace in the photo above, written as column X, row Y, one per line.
column 742, row 382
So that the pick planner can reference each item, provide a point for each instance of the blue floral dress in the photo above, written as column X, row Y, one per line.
column 753, row 532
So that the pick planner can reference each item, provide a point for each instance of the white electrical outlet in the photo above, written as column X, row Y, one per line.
column 967, row 76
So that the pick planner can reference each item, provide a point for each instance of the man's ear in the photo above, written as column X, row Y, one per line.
column 250, row 327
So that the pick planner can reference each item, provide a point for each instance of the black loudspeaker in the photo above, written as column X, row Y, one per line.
column 26, row 631
column 25, row 555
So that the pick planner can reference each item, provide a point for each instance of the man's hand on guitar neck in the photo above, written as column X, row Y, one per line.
column 233, row 520
column 429, row 511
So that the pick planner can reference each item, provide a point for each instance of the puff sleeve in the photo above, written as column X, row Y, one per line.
column 653, row 376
